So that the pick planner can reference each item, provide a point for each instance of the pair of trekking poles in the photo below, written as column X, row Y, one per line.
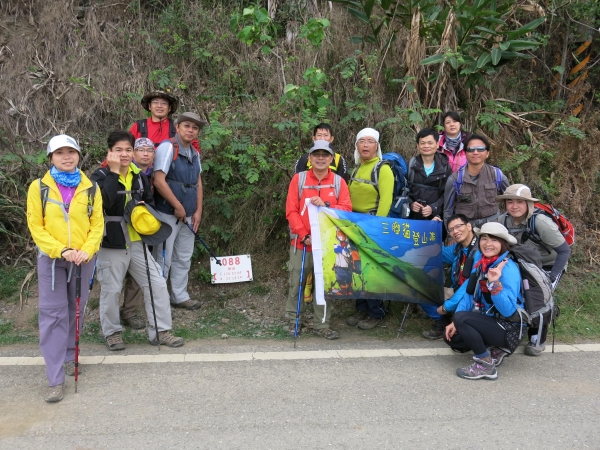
column 78, row 306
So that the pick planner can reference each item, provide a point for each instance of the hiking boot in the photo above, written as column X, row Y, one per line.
column 438, row 331
column 115, row 342
column 498, row 355
column 479, row 369
column 135, row 322
column 54, row 394
column 357, row 317
column 292, row 326
column 327, row 333
column 532, row 350
column 70, row 368
column 369, row 323
column 166, row 338
column 188, row 304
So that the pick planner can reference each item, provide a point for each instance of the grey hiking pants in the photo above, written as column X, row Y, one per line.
column 294, row 266
column 179, row 248
column 56, row 316
column 112, row 265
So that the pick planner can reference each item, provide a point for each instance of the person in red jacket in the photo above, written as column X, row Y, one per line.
column 159, row 126
column 319, row 188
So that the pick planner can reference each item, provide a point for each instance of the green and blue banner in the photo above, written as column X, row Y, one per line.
column 363, row 256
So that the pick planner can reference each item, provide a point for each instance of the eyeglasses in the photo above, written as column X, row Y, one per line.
column 159, row 102
column 455, row 228
column 320, row 154
column 144, row 150
column 367, row 141
column 475, row 149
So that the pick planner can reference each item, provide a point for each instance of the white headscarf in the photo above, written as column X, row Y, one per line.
column 366, row 132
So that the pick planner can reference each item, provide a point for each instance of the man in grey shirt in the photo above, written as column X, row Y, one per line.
column 178, row 194
column 472, row 189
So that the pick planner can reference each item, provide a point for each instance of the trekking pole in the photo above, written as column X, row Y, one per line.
column 203, row 243
column 91, row 286
column 164, row 256
column 77, row 304
column 151, row 295
column 299, row 295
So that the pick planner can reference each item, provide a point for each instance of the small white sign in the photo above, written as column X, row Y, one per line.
column 233, row 269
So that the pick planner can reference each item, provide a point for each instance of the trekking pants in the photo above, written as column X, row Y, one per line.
column 56, row 315
column 112, row 266
column 132, row 298
column 477, row 332
column 294, row 266
column 179, row 248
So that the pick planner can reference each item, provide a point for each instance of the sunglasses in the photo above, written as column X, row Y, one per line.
column 475, row 149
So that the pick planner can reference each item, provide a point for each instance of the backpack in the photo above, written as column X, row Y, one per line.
column 460, row 174
column 564, row 225
column 45, row 190
column 536, row 287
column 337, row 181
column 142, row 126
column 396, row 162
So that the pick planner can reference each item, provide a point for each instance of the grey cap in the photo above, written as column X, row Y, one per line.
column 191, row 117
column 321, row 144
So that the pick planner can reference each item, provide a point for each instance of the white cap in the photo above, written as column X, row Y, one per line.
column 59, row 141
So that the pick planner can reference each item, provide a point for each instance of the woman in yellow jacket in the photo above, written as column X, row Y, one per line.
column 64, row 215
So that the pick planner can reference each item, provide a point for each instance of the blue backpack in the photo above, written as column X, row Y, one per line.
column 396, row 162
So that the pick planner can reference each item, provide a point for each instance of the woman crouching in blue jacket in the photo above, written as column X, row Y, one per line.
column 487, row 318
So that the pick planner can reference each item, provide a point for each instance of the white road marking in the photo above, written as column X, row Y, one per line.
column 279, row 356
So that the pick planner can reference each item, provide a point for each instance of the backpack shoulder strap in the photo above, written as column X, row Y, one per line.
column 301, row 183
column 336, row 160
column 172, row 130
column 411, row 169
column 91, row 196
column 44, row 190
column 375, row 174
column 460, row 173
column 337, row 182
column 142, row 127
column 498, row 179
column 175, row 148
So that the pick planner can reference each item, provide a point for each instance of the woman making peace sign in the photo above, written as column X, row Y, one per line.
column 487, row 320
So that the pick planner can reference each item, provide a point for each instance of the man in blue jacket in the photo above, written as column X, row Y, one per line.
column 462, row 256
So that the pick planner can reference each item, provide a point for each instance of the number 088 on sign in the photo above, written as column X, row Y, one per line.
column 233, row 269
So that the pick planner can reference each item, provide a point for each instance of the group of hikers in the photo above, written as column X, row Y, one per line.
column 133, row 224
column 450, row 181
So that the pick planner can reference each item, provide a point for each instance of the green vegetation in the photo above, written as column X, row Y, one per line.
column 12, row 278
column 264, row 78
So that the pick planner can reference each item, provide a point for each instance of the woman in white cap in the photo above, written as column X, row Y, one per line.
column 487, row 319
column 370, row 198
column 540, row 231
column 64, row 215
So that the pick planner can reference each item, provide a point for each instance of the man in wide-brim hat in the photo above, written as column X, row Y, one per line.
column 540, row 231
column 159, row 126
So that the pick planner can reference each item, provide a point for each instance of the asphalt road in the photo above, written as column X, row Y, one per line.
column 347, row 402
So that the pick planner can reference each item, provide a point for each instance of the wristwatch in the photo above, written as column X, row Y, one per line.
column 327, row 204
